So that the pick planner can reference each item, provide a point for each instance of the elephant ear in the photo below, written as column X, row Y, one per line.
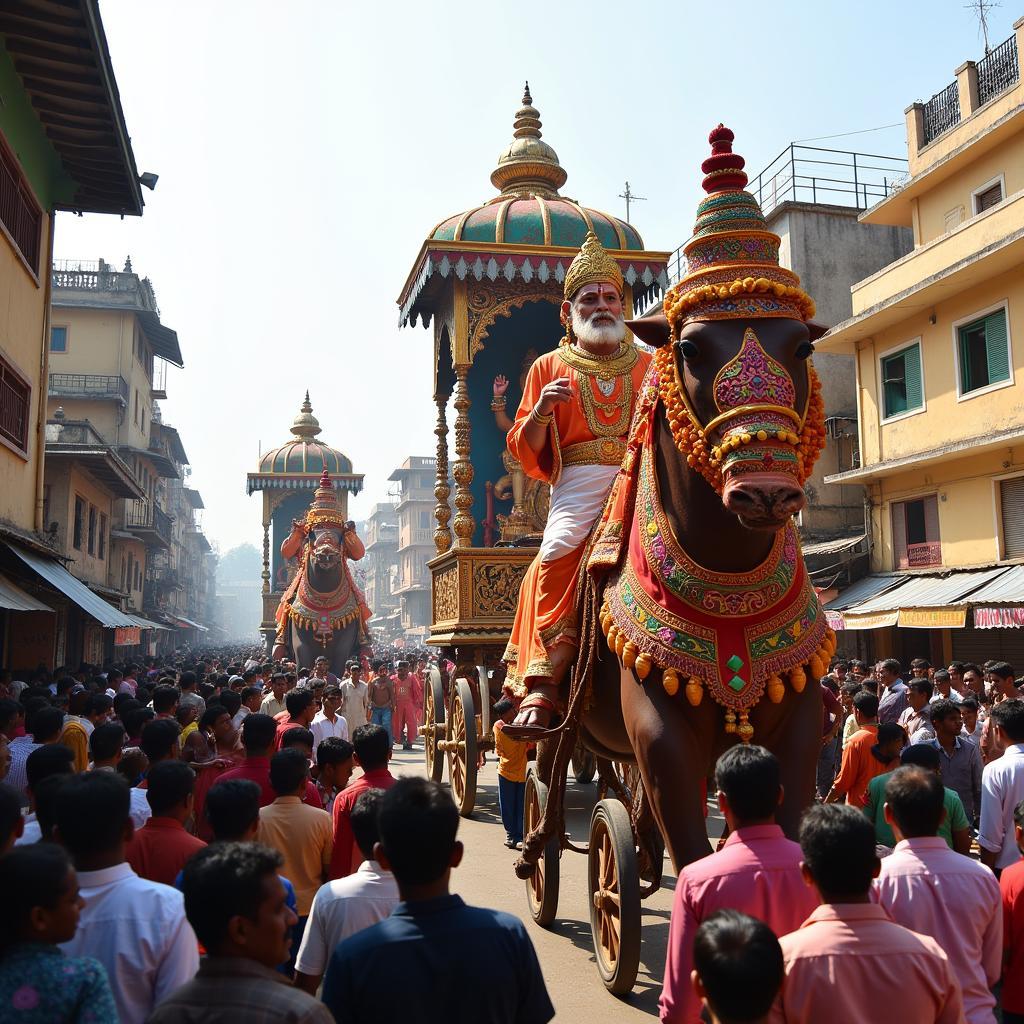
column 652, row 330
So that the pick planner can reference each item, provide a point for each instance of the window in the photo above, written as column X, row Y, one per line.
column 58, row 339
column 1011, row 512
column 102, row 553
column 990, row 194
column 915, row 533
column 20, row 215
column 424, row 519
column 902, row 381
column 983, row 352
column 92, row 530
column 76, row 538
column 15, row 395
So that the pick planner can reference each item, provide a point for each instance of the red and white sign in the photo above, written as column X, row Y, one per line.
column 998, row 618
column 127, row 636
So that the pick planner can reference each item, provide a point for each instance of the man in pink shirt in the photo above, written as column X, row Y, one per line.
column 848, row 962
column 923, row 880
column 757, row 871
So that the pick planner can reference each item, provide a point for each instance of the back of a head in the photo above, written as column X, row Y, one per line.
column 289, row 769
column 187, row 680
column 44, row 797
column 297, row 736
column 418, row 823
column 1009, row 714
column 164, row 698
column 92, row 812
column 739, row 962
column 748, row 775
column 222, row 881
column 372, row 745
column 158, row 738
column 231, row 808
column 866, row 703
column 297, row 702
column 258, row 733
column 891, row 732
column 46, row 724
column 364, row 821
column 53, row 759
column 230, row 701
column 106, row 741
column 916, row 798
column 333, row 750
column 923, row 755
column 838, row 844
column 30, row 876
column 168, row 785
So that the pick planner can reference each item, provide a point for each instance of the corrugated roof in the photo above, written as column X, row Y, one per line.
column 931, row 591
column 146, row 624
column 1005, row 589
column 833, row 547
column 17, row 600
column 862, row 590
column 56, row 575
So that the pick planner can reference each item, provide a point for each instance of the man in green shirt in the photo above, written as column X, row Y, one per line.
column 955, row 828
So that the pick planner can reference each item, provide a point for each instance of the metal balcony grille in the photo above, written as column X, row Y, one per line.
column 14, row 406
column 18, row 211
column 998, row 70
column 941, row 113
column 90, row 384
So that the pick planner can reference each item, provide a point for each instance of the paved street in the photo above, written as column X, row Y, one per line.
column 565, row 950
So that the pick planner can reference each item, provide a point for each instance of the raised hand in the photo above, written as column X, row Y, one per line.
column 500, row 386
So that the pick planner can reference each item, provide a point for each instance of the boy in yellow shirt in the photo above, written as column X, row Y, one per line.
column 512, row 758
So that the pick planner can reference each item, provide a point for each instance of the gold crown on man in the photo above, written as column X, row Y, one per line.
column 591, row 265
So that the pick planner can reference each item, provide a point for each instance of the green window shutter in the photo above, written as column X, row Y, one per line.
column 915, row 386
column 996, row 348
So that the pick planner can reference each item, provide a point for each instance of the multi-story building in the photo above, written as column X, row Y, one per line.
column 63, row 146
column 381, row 541
column 938, row 342
column 414, row 503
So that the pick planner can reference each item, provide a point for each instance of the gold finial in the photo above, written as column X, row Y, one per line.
column 529, row 165
column 590, row 265
column 305, row 424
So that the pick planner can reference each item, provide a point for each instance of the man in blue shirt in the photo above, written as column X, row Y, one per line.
column 434, row 959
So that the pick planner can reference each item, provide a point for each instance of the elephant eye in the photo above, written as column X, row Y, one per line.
column 689, row 350
column 804, row 350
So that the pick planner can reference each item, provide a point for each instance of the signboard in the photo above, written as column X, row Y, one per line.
column 869, row 620
column 127, row 636
column 998, row 618
column 835, row 620
column 933, row 618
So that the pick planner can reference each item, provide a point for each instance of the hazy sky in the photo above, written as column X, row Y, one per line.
column 306, row 148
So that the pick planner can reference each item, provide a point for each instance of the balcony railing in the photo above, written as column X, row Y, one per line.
column 941, row 112
column 143, row 516
column 998, row 70
column 100, row 276
column 88, row 385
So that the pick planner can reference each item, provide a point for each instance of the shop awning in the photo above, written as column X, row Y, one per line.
column 854, row 595
column 833, row 547
column 57, row 576
column 189, row 624
column 146, row 624
column 15, row 599
column 1000, row 604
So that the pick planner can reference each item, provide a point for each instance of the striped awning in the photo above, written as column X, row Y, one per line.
column 15, row 599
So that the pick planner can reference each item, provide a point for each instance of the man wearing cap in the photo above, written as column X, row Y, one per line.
column 569, row 431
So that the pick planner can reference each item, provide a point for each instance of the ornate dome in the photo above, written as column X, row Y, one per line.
column 529, row 210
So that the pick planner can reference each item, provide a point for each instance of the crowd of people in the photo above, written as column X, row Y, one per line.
column 219, row 839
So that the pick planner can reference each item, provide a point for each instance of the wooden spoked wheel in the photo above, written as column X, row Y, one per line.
column 461, row 746
column 584, row 764
column 614, row 896
column 433, row 728
column 542, row 885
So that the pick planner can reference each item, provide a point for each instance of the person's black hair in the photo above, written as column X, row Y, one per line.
column 916, row 799
column 866, row 703
column 223, row 881
column 332, row 691
column 231, row 807
column 850, row 689
column 31, row 876
column 297, row 701
column 53, row 759
column 920, row 663
column 46, row 723
column 418, row 823
column 891, row 732
column 923, row 755
column 249, row 673
column 297, row 736
column 891, row 665
column 739, row 962
column 230, row 702
column 258, row 731
column 364, row 821
column 1010, row 715
column 372, row 745
column 288, row 770
column 165, row 698
column 10, row 813
column 749, row 777
column 942, row 709
column 93, row 809
column 1001, row 669
column 158, row 738
column 838, row 844
column 169, row 784
column 106, row 741
column 1018, row 814
column 114, row 674
column 248, row 692
column 136, row 719
column 98, row 703
column 940, row 675
column 968, row 704
column 333, row 750
column 44, row 797
column 956, row 666
column 211, row 714
column 921, row 686
column 9, row 711
column 187, row 680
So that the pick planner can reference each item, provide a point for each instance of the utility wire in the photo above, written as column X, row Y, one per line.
column 843, row 135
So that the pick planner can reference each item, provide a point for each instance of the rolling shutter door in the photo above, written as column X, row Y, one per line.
column 980, row 645
column 1011, row 504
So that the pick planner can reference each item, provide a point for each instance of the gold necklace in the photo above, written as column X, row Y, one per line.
column 602, row 367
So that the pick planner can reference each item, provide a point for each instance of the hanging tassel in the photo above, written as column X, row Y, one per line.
column 797, row 679
column 745, row 729
column 776, row 690
column 670, row 681
column 694, row 691
column 644, row 664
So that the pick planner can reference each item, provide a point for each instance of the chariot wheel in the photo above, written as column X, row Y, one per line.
column 584, row 764
column 614, row 896
column 542, row 885
column 461, row 747
column 433, row 728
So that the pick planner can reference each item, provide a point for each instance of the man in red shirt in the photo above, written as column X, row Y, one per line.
column 301, row 707
column 1011, row 885
column 372, row 752
column 159, row 850
column 258, row 732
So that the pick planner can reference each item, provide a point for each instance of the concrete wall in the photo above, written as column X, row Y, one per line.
column 65, row 482
column 121, row 547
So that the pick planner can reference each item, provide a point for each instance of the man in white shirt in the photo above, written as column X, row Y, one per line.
column 1002, row 787
column 943, row 687
column 136, row 928
column 327, row 722
column 355, row 700
column 916, row 717
column 347, row 905
column 273, row 702
column 105, row 746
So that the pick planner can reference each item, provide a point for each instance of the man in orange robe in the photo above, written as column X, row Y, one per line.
column 570, row 431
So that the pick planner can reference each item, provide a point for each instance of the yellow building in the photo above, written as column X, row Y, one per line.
column 938, row 337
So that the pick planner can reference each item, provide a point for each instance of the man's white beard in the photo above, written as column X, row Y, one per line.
column 605, row 333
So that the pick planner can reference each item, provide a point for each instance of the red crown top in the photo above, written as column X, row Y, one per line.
column 723, row 169
column 325, row 480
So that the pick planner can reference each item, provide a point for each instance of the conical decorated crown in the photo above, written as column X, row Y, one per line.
column 591, row 265
column 325, row 509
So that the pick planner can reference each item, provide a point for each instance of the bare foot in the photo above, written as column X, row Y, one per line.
column 538, row 716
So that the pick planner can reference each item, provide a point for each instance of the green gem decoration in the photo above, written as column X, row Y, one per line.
column 735, row 663
column 737, row 684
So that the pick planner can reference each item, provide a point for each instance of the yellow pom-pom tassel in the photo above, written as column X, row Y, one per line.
column 670, row 681
column 643, row 665
column 745, row 729
column 694, row 691
column 817, row 670
column 797, row 679
column 629, row 654
column 612, row 635
column 730, row 721
column 620, row 644
column 776, row 690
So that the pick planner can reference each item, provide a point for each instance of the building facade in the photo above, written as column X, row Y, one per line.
column 938, row 342
column 414, row 504
column 382, row 569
